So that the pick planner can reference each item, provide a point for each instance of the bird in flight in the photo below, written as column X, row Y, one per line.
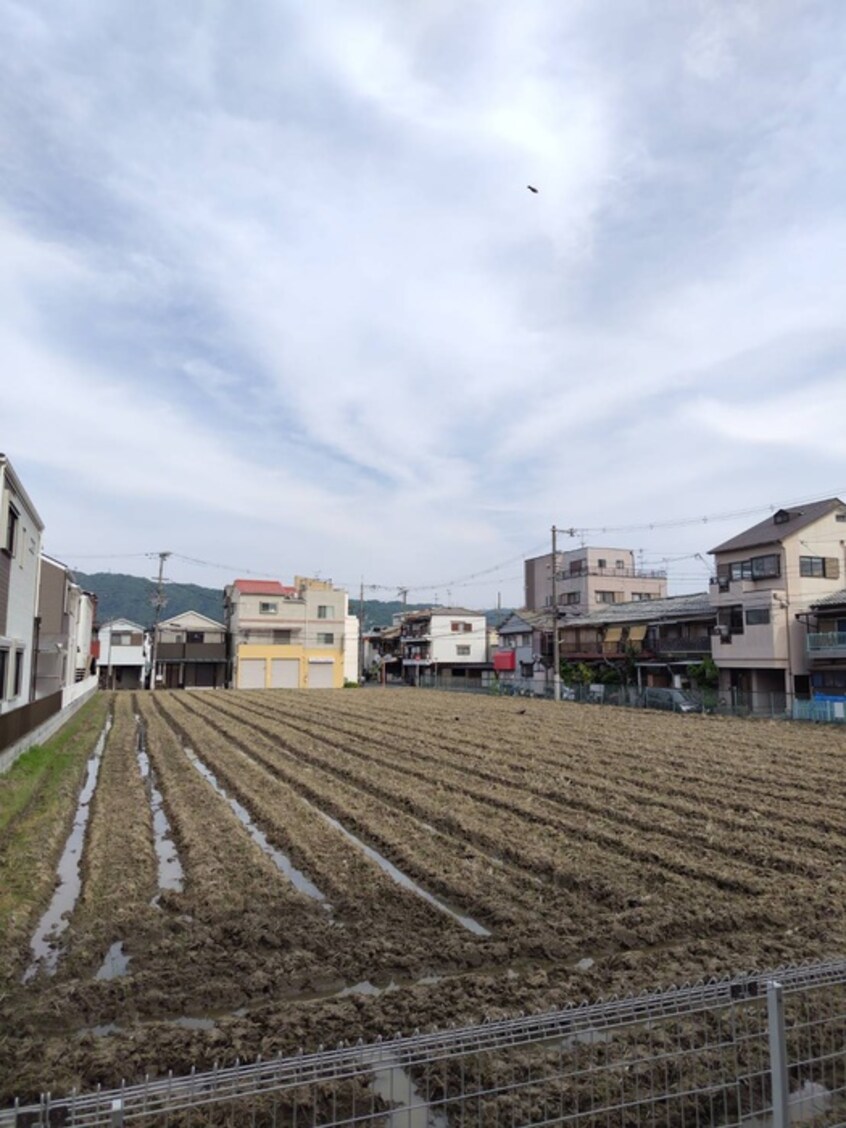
column 532, row 189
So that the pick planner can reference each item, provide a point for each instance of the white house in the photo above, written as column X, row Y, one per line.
column 20, row 556
column 124, row 655
column 448, row 641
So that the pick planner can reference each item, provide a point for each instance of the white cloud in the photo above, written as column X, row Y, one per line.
column 298, row 243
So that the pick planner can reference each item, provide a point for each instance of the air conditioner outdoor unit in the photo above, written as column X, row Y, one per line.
column 721, row 631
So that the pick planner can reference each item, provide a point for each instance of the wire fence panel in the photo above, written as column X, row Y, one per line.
column 756, row 1051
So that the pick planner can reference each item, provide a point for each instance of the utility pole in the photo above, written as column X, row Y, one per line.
column 361, row 630
column 159, row 601
column 556, row 646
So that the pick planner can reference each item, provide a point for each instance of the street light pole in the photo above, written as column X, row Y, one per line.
column 556, row 646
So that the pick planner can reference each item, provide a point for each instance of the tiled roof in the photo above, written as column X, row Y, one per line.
column 540, row 620
column 836, row 599
column 428, row 612
column 771, row 532
column 263, row 587
column 693, row 606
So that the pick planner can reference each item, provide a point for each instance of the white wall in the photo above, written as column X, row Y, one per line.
column 445, row 641
column 23, row 592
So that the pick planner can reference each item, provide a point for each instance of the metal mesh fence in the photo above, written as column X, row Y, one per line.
column 758, row 1051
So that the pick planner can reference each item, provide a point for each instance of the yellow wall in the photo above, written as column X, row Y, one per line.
column 256, row 650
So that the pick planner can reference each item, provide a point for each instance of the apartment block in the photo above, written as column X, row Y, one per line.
column 290, row 637
column 586, row 578
column 767, row 580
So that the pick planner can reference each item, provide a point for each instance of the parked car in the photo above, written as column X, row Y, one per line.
column 673, row 700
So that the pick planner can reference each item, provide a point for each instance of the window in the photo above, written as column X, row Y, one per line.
column 602, row 563
column 606, row 597
column 765, row 567
column 573, row 597
column 637, row 596
column 12, row 520
column 324, row 611
column 4, row 665
column 268, row 609
column 281, row 638
column 577, row 567
column 325, row 638
column 194, row 636
column 758, row 617
column 455, row 626
column 121, row 638
column 468, row 627
column 619, row 564
column 462, row 651
column 736, row 620
column 19, row 665
column 820, row 566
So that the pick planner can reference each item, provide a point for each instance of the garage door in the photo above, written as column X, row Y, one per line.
column 321, row 675
column 251, row 673
column 285, row 673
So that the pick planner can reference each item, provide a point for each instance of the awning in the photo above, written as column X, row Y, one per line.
column 613, row 634
column 637, row 634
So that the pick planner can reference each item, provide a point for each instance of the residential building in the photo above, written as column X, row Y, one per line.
column 65, row 623
column 660, row 639
column 443, row 641
column 189, row 652
column 588, row 577
column 124, row 659
column 20, row 560
column 766, row 581
column 524, row 651
column 289, row 637
column 826, row 644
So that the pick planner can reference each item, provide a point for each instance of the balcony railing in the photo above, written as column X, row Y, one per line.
column 700, row 644
column 827, row 640
column 610, row 573
column 191, row 652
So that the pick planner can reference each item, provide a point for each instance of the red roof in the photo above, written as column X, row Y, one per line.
column 263, row 587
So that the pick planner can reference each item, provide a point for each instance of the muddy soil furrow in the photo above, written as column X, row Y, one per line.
column 489, row 891
column 638, row 904
column 806, row 855
column 619, row 841
column 576, row 759
column 360, row 891
column 763, row 798
column 119, row 871
column 486, row 724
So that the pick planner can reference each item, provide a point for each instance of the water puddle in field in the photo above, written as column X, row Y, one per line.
column 393, row 1083
column 171, row 874
column 404, row 880
column 44, row 946
column 115, row 964
column 283, row 863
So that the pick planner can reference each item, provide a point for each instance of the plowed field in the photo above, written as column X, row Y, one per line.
column 285, row 869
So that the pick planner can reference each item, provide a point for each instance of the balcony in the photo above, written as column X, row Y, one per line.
column 666, row 647
column 191, row 652
column 611, row 573
column 827, row 644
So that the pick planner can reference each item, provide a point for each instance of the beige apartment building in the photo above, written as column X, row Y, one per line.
column 587, row 578
column 290, row 637
column 767, row 580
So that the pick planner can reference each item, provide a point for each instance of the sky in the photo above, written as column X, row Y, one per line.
column 275, row 296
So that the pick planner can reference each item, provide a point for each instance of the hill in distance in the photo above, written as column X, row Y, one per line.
column 131, row 597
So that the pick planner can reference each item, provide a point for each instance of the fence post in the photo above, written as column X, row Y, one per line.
column 116, row 1118
column 778, row 1054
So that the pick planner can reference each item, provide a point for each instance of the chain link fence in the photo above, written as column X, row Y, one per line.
column 759, row 1051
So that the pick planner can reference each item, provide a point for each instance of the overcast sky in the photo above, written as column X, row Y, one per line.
column 274, row 294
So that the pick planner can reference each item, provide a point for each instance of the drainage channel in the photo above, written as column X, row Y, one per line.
column 403, row 879
column 115, row 963
column 45, row 950
column 283, row 863
column 171, row 874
